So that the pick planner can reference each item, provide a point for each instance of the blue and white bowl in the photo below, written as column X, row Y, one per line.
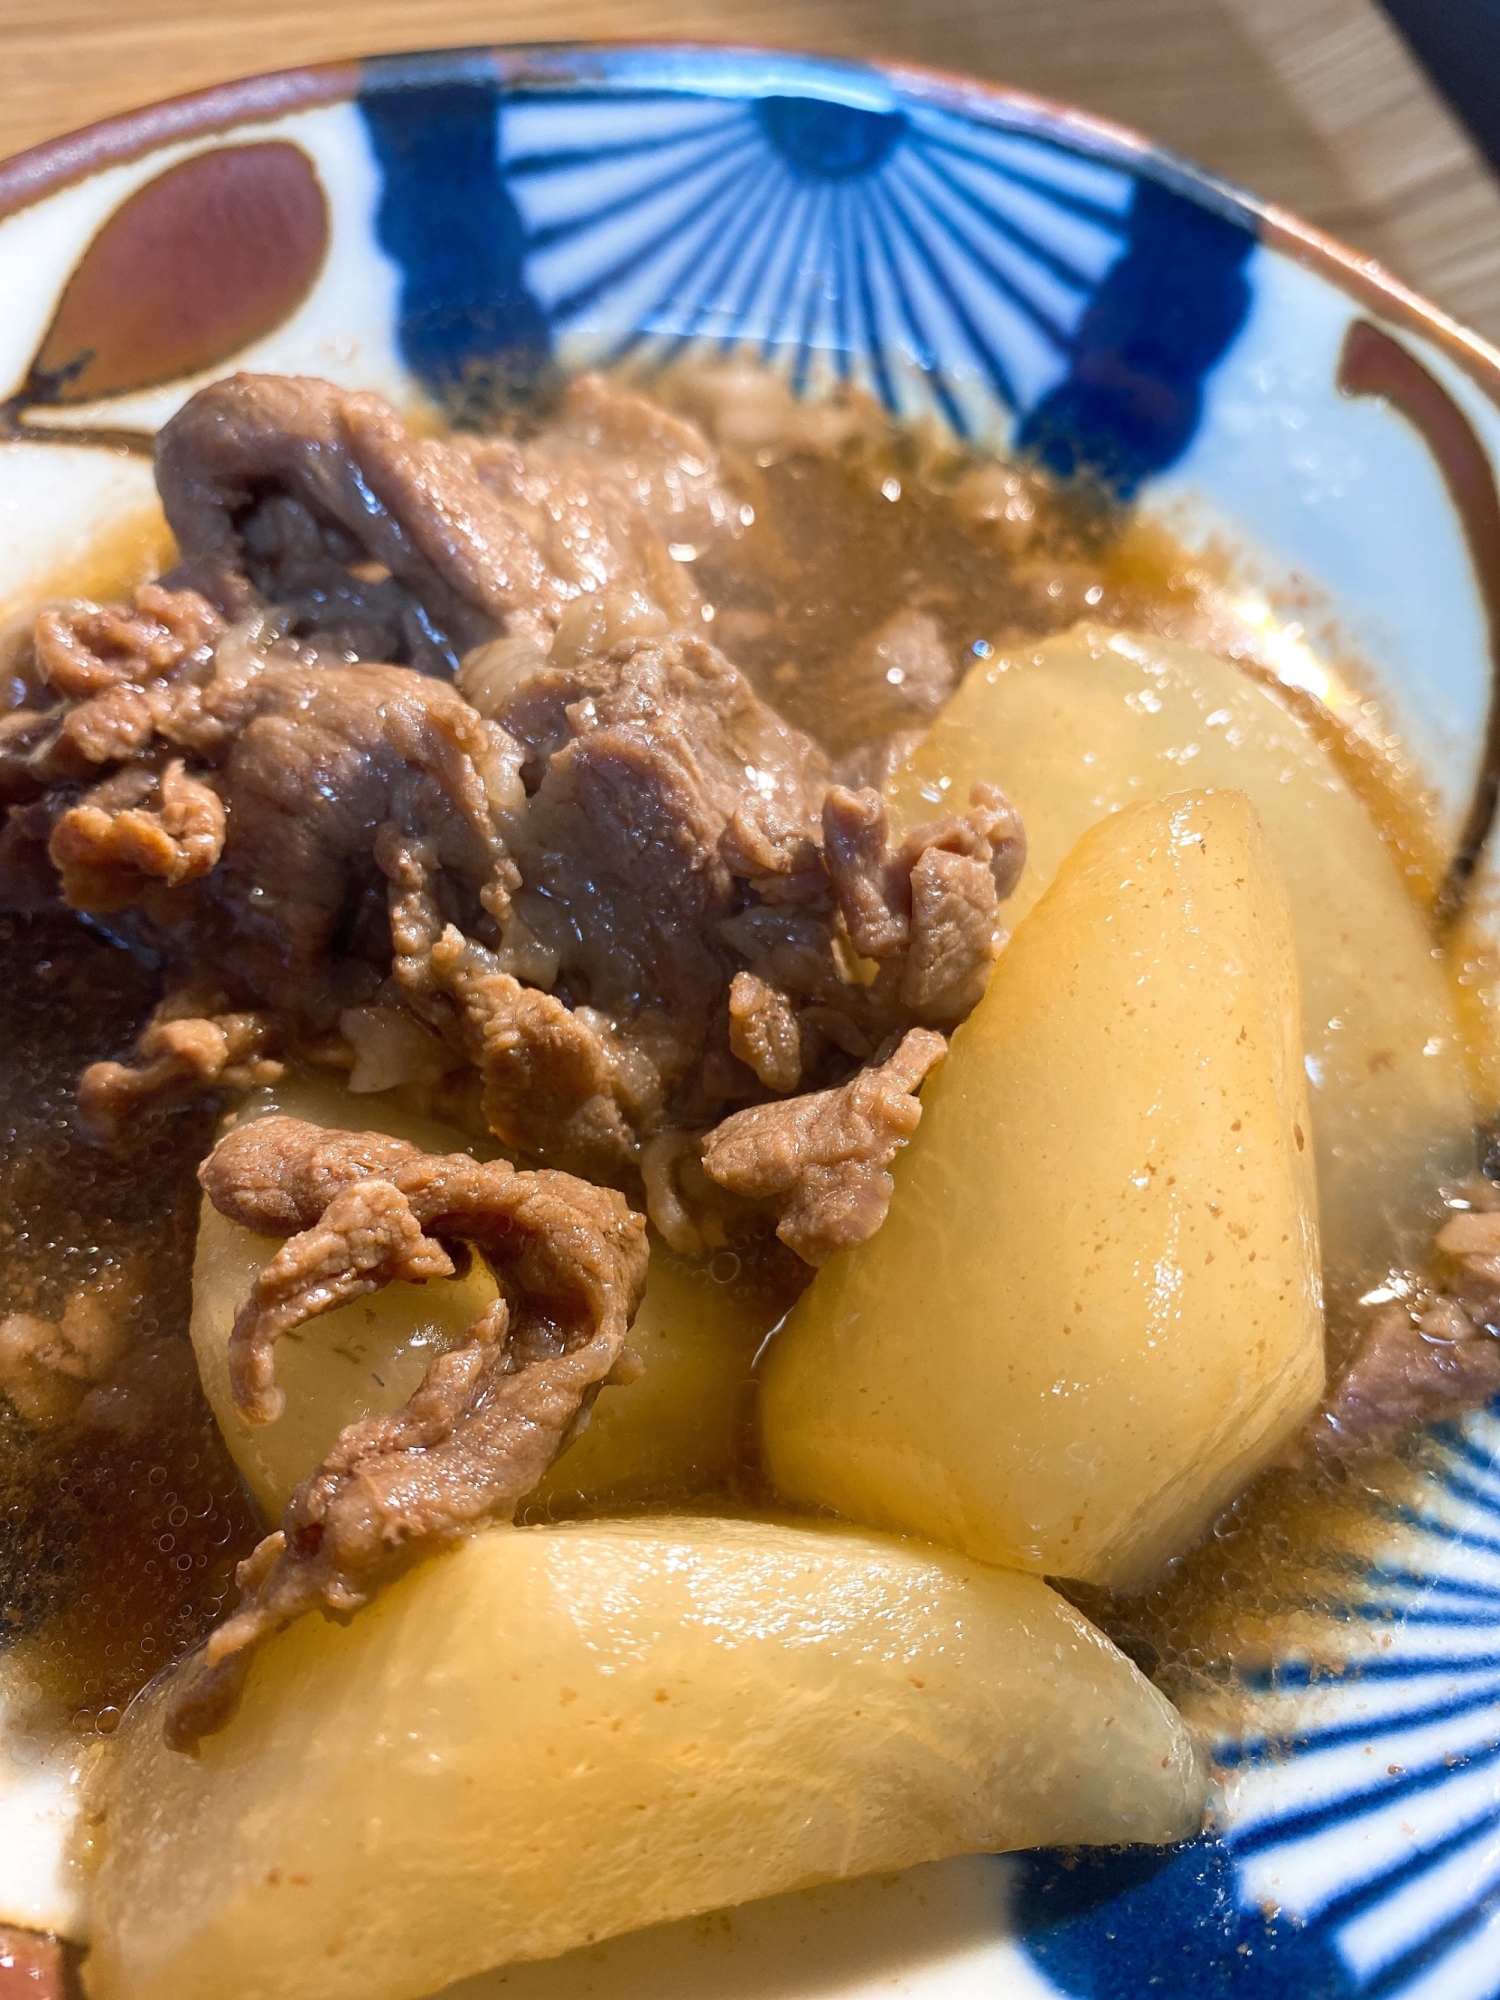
column 1029, row 278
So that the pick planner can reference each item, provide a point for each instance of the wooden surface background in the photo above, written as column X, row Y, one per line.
column 1312, row 103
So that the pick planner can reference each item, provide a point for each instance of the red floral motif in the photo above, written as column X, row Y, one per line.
column 192, row 268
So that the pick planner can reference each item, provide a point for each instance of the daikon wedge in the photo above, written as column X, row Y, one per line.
column 1092, row 1313
column 1096, row 720
column 669, row 1435
column 551, row 1735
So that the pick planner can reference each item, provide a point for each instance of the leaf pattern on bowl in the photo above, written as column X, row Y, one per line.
column 192, row 268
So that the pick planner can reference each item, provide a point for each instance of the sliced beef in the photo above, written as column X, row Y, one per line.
column 1427, row 1356
column 255, row 856
column 287, row 490
column 617, row 490
column 103, row 683
column 822, row 1158
column 139, row 826
column 1404, row 1371
column 764, row 1032
column 896, row 678
column 929, row 910
column 47, row 1367
column 490, row 1415
column 389, row 546
column 82, row 649
column 600, row 871
column 636, row 764
column 688, row 886
column 189, row 1048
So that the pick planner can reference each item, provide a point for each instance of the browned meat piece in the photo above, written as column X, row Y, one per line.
column 557, row 1081
column 671, row 814
column 323, row 758
column 933, row 905
column 182, row 1054
column 348, row 487
column 95, row 1368
column 399, row 548
column 83, row 648
column 822, row 1158
column 768, row 844
column 601, row 871
column 764, row 1032
column 35, row 1966
column 313, row 762
column 897, row 678
column 645, row 458
column 610, row 489
column 491, row 1414
column 1403, row 1372
column 137, row 827
column 565, row 894
column 48, row 1366
column 108, row 672
column 277, row 1175
column 1427, row 1358
column 636, row 765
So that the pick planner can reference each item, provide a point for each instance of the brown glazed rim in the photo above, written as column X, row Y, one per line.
column 42, row 170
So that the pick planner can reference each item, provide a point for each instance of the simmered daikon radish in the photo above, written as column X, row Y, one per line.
column 1094, row 721
column 1093, row 1311
column 669, row 1435
column 550, row 1735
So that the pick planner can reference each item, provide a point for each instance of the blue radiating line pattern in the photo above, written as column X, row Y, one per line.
column 1017, row 285
column 1359, row 1853
column 941, row 264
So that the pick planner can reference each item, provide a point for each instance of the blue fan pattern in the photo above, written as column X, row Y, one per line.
column 1360, row 1858
column 1018, row 286
column 938, row 264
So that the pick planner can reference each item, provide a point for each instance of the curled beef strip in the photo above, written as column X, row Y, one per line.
column 930, row 910
column 276, row 485
column 192, row 1044
column 137, row 827
column 1426, row 1356
column 635, row 765
column 822, row 1158
column 98, row 680
column 360, row 1210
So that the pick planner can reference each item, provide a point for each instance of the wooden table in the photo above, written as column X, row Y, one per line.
column 1313, row 103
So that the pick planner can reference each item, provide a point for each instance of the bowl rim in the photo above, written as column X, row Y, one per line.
column 44, row 169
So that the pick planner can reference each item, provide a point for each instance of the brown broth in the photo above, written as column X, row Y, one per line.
column 841, row 542
column 120, row 1542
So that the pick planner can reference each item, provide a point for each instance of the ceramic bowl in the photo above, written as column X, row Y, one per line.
column 1030, row 278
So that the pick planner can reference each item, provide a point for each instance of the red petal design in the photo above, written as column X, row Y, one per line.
column 194, row 266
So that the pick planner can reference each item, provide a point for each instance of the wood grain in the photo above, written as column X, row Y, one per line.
column 1312, row 103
